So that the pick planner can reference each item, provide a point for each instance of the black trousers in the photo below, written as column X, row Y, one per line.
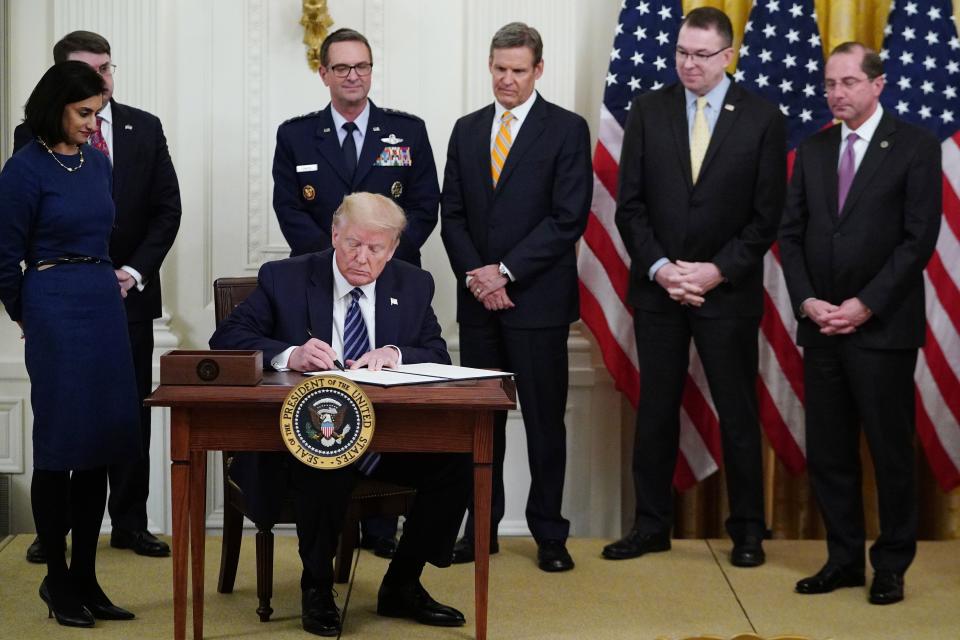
column 847, row 386
column 538, row 357
column 130, row 481
column 442, row 482
column 729, row 353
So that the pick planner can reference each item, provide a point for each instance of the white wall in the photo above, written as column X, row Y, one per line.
column 222, row 75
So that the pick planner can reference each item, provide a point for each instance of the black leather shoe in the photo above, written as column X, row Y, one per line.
column 412, row 601
column 319, row 613
column 552, row 556
column 748, row 553
column 831, row 577
column 67, row 614
column 887, row 587
column 142, row 543
column 381, row 547
column 635, row 544
column 463, row 551
column 109, row 612
column 35, row 552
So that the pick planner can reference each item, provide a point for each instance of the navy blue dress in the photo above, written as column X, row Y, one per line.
column 84, row 398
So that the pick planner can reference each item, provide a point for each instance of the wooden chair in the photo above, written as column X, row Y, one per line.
column 370, row 497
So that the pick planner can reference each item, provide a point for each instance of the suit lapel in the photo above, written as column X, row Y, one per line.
column 481, row 137
column 525, row 140
column 320, row 297
column 328, row 144
column 728, row 116
column 830, row 180
column 124, row 145
column 681, row 131
column 880, row 147
column 371, row 144
column 387, row 308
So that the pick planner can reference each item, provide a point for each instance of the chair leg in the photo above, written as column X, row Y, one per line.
column 264, row 571
column 349, row 539
column 230, row 549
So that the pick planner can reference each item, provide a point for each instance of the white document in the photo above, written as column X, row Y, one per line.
column 407, row 374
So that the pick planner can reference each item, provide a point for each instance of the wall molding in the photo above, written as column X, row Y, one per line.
column 12, row 429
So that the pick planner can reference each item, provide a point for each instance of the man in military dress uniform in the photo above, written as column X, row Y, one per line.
column 352, row 145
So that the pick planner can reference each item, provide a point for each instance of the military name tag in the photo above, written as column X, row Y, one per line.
column 394, row 157
column 327, row 422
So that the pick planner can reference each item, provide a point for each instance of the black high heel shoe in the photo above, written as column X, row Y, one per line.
column 68, row 618
column 97, row 602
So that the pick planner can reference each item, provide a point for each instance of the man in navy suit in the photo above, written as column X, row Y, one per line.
column 702, row 184
column 516, row 194
column 352, row 145
column 297, row 317
column 147, row 198
column 861, row 222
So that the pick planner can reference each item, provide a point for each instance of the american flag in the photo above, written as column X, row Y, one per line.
column 642, row 59
column 781, row 59
column 921, row 54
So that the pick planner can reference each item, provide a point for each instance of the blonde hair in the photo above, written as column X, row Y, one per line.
column 371, row 210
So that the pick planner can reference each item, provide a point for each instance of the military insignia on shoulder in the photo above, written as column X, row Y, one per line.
column 403, row 114
column 300, row 117
column 327, row 422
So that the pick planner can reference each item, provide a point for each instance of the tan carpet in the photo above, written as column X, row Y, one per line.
column 690, row 590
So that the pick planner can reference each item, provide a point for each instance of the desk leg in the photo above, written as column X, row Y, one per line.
column 482, row 478
column 198, row 506
column 180, row 480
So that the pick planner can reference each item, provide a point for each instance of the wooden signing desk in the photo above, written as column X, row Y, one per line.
column 448, row 417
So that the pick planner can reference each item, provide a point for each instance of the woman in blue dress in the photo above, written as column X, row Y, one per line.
column 56, row 215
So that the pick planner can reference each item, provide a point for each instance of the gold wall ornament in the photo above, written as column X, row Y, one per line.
column 316, row 21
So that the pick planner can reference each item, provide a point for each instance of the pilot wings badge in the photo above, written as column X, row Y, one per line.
column 327, row 422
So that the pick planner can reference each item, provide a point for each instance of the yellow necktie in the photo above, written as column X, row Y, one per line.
column 700, row 138
column 501, row 146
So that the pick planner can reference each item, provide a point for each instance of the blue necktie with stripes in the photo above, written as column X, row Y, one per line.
column 355, row 344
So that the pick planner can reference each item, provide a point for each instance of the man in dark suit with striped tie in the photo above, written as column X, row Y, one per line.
column 355, row 305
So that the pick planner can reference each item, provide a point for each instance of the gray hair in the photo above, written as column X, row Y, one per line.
column 371, row 210
column 518, row 34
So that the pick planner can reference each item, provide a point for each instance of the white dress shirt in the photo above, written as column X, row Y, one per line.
column 361, row 131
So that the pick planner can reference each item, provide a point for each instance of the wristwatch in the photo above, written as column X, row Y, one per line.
column 503, row 271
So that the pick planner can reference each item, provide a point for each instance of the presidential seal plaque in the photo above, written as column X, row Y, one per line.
column 327, row 422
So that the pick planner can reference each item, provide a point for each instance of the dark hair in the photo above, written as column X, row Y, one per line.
column 62, row 84
column 341, row 35
column 709, row 18
column 79, row 41
column 518, row 34
column 872, row 63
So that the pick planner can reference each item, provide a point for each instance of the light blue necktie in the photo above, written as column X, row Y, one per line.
column 355, row 344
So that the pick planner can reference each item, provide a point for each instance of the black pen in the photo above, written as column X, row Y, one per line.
column 336, row 363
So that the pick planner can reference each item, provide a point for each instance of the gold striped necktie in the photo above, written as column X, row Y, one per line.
column 501, row 146
column 699, row 139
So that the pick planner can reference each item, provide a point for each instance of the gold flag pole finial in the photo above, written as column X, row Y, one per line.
column 316, row 21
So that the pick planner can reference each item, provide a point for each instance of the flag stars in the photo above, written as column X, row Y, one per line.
column 793, row 36
column 929, row 63
column 789, row 61
column 902, row 107
column 925, row 112
column 932, row 38
column 619, row 30
column 660, row 63
column 640, row 34
column 634, row 84
column 909, row 33
column 744, row 51
column 786, row 86
column 809, row 90
column 955, row 43
column 773, row 6
column 904, row 83
column 947, row 116
column 763, row 80
column 637, row 58
column 906, row 58
column 785, row 110
column 812, row 66
column 806, row 115
column 657, row 85
column 953, row 67
column 770, row 31
column 796, row 11
column 934, row 13
column 664, row 13
column 738, row 75
column 765, row 56
column 663, row 37
column 884, row 55
column 615, row 54
column 950, row 93
column 814, row 40
column 911, row 8
column 643, row 8
column 611, row 79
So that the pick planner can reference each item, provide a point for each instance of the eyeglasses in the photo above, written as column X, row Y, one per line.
column 846, row 83
column 107, row 69
column 698, row 58
column 363, row 69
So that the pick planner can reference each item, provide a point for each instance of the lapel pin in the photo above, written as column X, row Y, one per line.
column 396, row 189
column 884, row 144
column 394, row 303
column 128, row 127
column 309, row 193
column 326, row 129
column 376, row 128
column 729, row 107
column 392, row 139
